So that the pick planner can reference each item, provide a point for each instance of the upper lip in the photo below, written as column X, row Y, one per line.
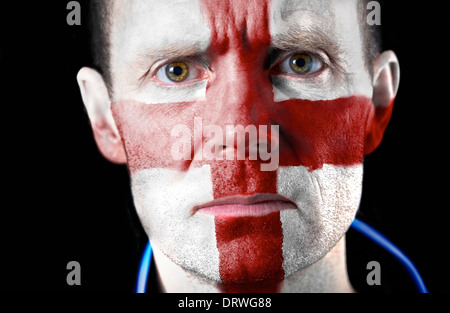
column 243, row 200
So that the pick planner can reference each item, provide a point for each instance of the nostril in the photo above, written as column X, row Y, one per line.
column 224, row 152
column 221, row 148
column 241, row 143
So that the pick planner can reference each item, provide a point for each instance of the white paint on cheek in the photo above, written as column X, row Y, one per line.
column 164, row 199
column 328, row 199
column 155, row 93
column 284, row 89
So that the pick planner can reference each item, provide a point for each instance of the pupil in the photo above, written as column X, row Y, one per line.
column 177, row 70
column 300, row 62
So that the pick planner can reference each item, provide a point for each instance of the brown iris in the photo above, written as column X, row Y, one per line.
column 301, row 63
column 177, row 71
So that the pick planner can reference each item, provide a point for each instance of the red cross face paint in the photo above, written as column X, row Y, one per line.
column 225, row 218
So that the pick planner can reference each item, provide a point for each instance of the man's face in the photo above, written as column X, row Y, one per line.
column 187, row 74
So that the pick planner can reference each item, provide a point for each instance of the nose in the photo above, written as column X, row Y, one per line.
column 239, row 143
column 241, row 98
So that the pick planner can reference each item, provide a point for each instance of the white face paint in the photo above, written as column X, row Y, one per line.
column 327, row 199
column 334, row 26
column 146, row 35
column 164, row 207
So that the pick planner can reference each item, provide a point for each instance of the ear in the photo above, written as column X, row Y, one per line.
column 386, row 80
column 98, row 106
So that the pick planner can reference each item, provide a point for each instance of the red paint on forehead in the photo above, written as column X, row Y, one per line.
column 239, row 48
column 237, row 24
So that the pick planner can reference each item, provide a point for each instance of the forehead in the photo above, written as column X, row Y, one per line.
column 157, row 23
column 288, row 7
column 162, row 22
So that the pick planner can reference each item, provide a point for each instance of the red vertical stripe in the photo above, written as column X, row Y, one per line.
column 241, row 178
column 250, row 248
column 251, row 259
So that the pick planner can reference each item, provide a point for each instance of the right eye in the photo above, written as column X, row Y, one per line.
column 300, row 64
column 179, row 71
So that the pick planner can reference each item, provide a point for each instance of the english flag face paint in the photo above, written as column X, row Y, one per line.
column 204, row 199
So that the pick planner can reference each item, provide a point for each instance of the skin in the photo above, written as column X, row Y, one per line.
column 235, row 88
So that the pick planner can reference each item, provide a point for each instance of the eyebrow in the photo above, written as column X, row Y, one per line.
column 143, row 57
column 310, row 37
column 171, row 51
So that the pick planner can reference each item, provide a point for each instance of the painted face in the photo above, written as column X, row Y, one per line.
column 187, row 76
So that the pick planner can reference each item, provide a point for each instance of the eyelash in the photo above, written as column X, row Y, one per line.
column 205, row 72
column 286, row 56
column 202, row 68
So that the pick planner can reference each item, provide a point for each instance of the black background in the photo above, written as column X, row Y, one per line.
column 61, row 201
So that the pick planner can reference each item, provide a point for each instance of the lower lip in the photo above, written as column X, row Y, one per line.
column 241, row 210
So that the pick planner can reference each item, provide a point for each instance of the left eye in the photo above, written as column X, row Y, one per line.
column 178, row 72
column 301, row 64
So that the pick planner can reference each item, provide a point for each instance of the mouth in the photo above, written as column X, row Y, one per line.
column 241, row 205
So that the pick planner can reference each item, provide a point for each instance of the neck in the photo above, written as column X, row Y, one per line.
column 329, row 274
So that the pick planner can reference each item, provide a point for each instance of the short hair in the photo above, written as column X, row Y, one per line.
column 100, row 26
column 100, row 12
column 370, row 36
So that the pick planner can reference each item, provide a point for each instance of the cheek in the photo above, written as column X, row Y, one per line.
column 328, row 199
column 321, row 132
column 146, row 132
